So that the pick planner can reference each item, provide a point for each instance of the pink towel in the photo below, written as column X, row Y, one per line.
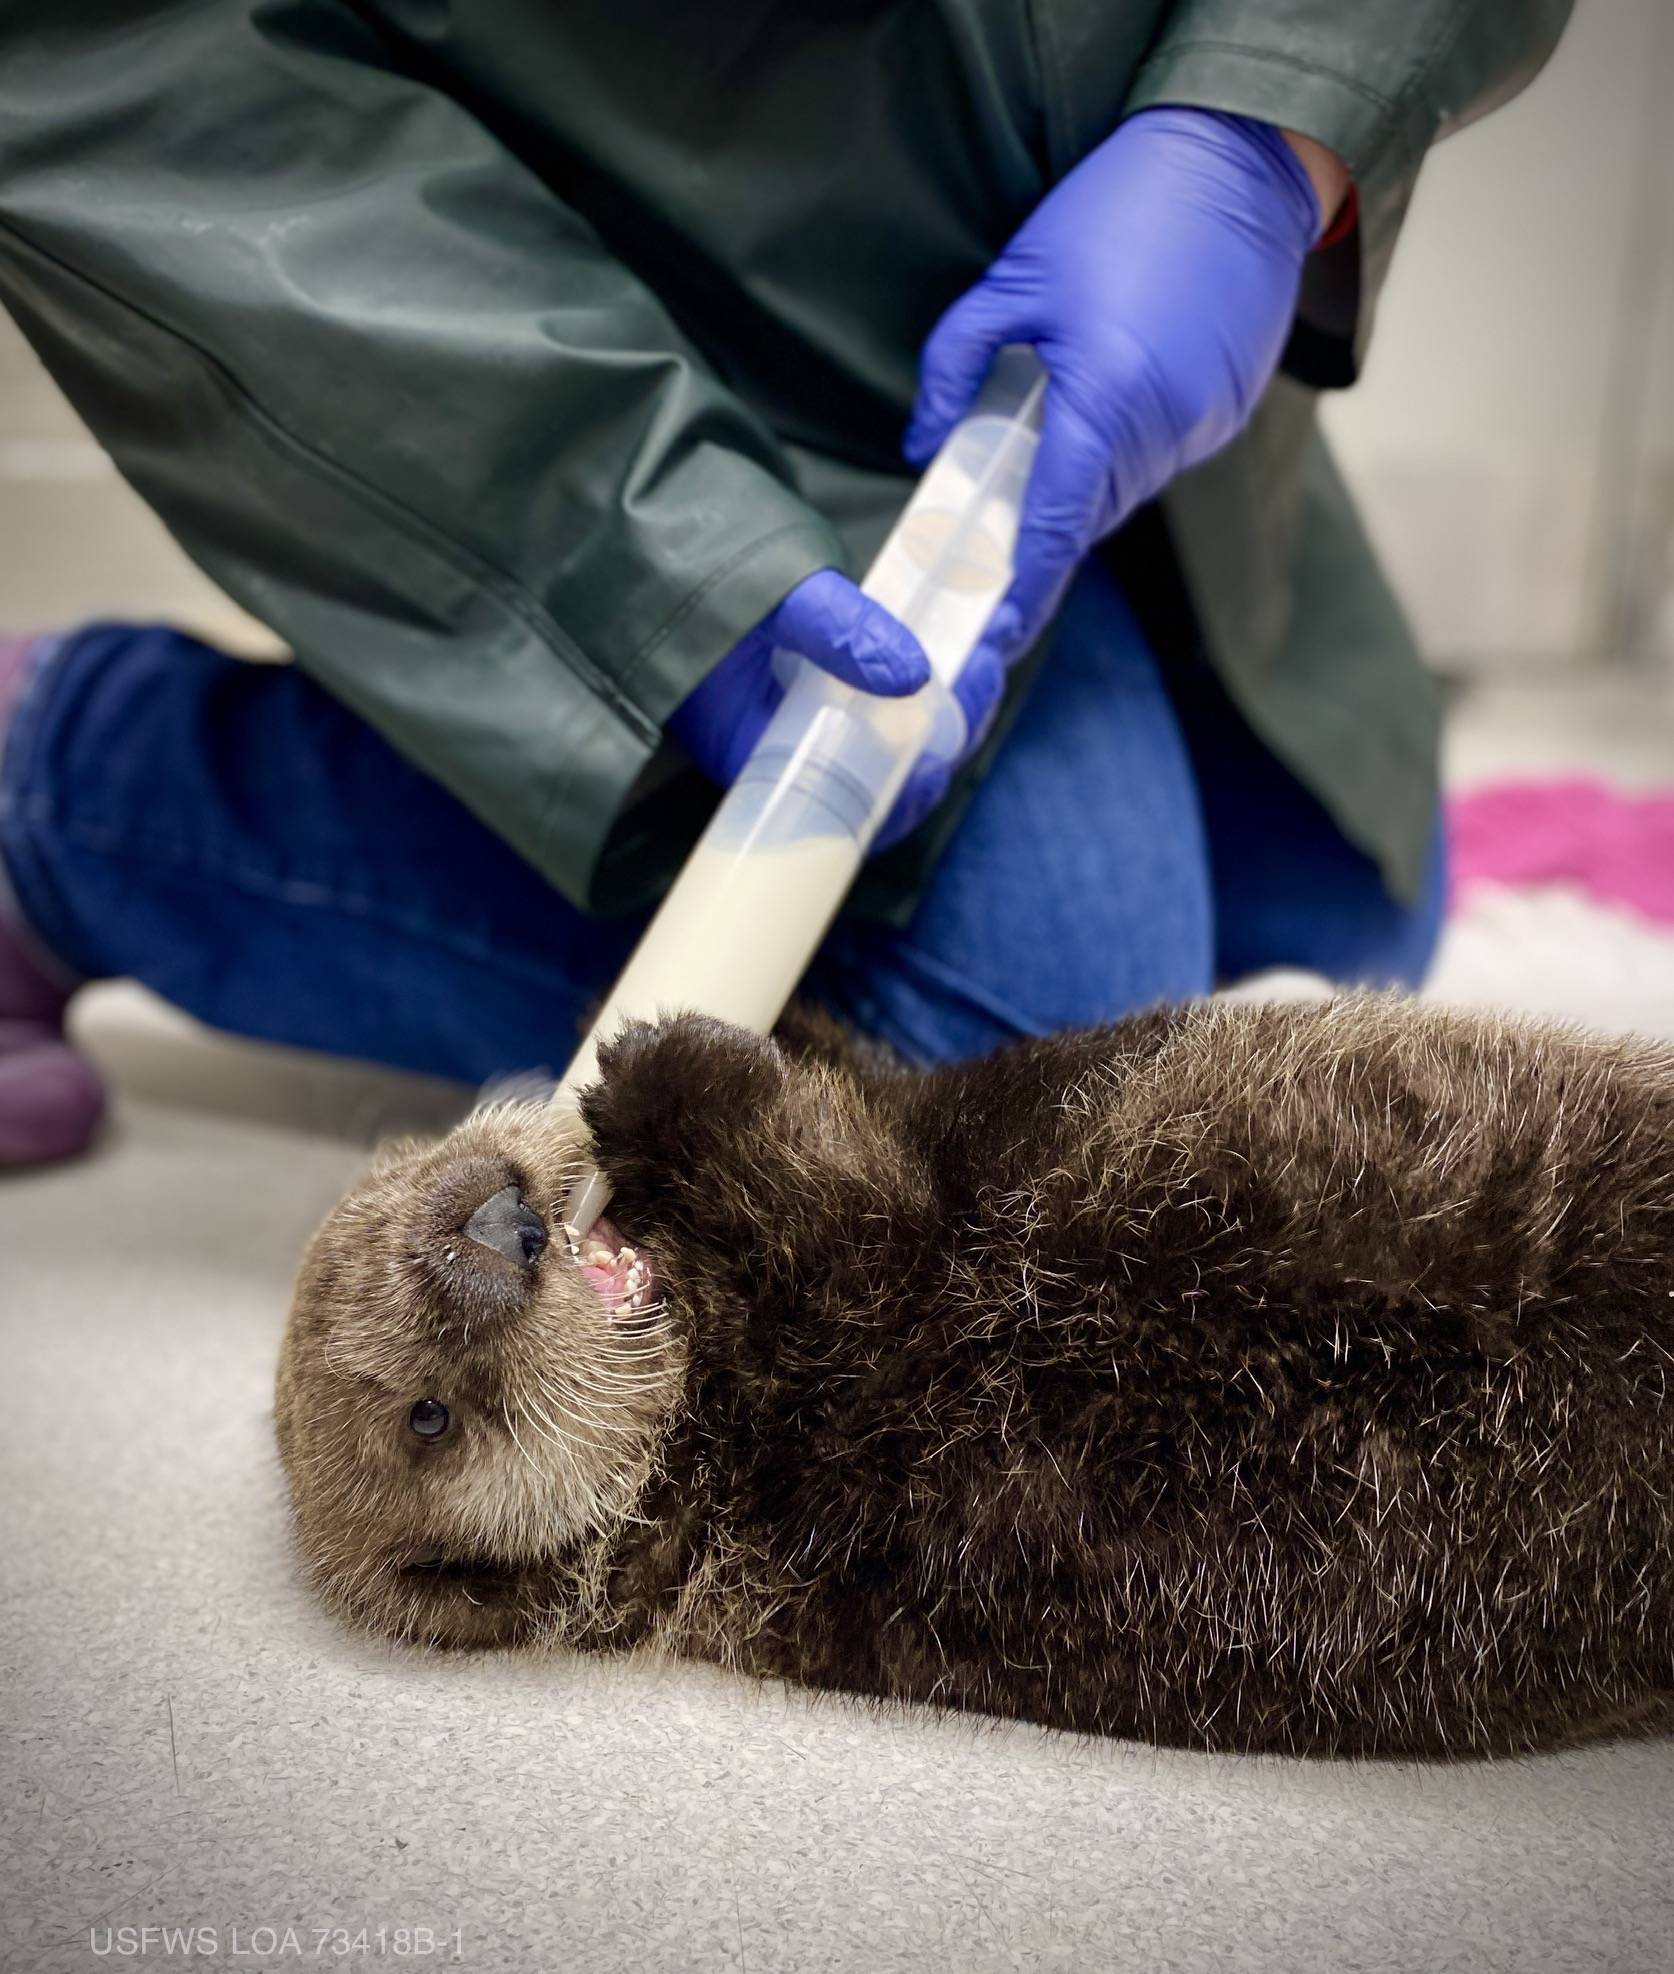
column 1583, row 832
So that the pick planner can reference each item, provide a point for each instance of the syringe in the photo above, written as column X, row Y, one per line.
column 741, row 923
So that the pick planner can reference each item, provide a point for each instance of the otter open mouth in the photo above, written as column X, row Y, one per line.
column 624, row 1277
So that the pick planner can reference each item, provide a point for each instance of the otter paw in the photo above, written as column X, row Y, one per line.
column 677, row 1093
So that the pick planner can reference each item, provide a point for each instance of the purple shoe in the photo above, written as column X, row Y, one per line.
column 51, row 1098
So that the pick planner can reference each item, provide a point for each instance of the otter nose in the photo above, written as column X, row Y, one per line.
column 510, row 1226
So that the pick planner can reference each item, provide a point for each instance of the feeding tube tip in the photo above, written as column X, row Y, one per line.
column 586, row 1200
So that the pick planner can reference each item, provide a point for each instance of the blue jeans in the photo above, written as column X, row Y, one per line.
column 246, row 846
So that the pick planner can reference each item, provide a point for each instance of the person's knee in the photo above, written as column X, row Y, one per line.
column 1077, row 888
column 1091, row 928
column 932, row 1010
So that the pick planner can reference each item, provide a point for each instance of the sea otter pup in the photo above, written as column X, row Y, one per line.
column 1246, row 1377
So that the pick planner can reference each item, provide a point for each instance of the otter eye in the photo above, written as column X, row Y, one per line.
column 429, row 1418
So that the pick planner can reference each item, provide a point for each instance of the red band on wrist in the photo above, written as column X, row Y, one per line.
column 1347, row 219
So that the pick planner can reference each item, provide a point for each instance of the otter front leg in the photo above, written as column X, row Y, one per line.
column 711, row 1130
column 678, row 1095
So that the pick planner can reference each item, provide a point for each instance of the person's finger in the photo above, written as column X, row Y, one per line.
column 924, row 788
column 735, row 742
column 956, row 357
column 829, row 621
column 979, row 689
column 1000, row 645
column 1068, row 487
column 718, row 728
column 722, row 717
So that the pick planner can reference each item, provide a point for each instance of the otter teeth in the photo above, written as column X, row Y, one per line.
column 634, row 1280
column 628, row 1272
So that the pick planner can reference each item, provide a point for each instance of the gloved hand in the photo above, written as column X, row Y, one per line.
column 1157, row 282
column 825, row 619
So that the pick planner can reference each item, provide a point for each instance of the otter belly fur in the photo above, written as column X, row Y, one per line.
column 1250, row 1378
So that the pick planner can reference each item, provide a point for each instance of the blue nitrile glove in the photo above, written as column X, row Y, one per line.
column 825, row 619
column 1157, row 282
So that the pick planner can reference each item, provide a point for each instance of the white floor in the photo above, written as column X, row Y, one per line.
column 196, row 1745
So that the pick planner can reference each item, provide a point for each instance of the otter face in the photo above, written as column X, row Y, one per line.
column 461, row 1404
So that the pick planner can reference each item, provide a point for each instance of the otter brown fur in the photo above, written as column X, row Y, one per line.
column 1246, row 1377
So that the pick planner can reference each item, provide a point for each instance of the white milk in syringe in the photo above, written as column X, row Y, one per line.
column 742, row 921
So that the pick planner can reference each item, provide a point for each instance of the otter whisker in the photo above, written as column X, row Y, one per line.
column 594, row 1380
column 517, row 1442
column 635, row 1334
column 555, row 1432
column 629, row 1382
column 639, row 1351
column 590, row 1420
column 544, row 1429
column 566, row 1458
column 619, row 1364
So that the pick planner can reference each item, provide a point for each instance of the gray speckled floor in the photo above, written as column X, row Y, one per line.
column 192, row 1744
